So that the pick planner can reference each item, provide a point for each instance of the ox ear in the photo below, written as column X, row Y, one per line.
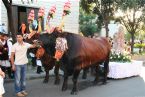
column 38, row 43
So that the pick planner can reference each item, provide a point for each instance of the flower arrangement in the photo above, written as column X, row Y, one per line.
column 66, row 9
column 41, row 12
column 51, row 12
column 119, row 57
column 31, row 16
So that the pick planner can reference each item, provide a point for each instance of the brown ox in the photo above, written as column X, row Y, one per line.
column 47, row 61
column 82, row 53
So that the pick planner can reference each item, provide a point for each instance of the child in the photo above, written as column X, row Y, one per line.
column 2, row 75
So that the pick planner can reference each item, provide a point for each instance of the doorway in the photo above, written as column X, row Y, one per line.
column 22, row 16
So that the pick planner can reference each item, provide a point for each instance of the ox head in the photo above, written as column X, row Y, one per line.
column 45, row 50
column 47, row 41
column 45, row 44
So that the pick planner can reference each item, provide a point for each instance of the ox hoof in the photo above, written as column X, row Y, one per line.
column 64, row 88
column 95, row 82
column 74, row 93
column 45, row 81
column 57, row 82
column 84, row 77
column 104, row 82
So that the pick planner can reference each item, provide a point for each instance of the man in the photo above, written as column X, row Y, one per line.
column 19, row 51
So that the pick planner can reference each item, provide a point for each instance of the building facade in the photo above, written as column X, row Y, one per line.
column 71, row 22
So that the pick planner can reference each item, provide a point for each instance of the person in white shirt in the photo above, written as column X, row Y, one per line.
column 19, row 51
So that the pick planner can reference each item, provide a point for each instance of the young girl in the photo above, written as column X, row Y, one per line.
column 2, row 75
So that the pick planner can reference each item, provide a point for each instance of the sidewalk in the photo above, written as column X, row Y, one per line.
column 31, row 74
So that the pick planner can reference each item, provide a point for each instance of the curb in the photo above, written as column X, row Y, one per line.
column 32, row 77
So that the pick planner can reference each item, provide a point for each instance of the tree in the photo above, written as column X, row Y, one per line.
column 132, row 16
column 104, row 9
column 87, row 23
column 8, row 5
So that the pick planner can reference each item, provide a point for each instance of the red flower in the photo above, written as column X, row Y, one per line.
column 66, row 9
column 51, row 12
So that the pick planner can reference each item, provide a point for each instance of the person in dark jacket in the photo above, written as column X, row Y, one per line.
column 5, row 52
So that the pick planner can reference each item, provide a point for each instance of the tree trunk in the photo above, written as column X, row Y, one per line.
column 106, row 28
column 140, row 50
column 8, row 6
column 132, row 41
column 106, row 22
column 11, row 23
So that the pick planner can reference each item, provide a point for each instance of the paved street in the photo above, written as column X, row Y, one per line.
column 129, row 87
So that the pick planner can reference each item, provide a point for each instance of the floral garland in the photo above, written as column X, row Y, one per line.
column 51, row 12
column 30, row 20
column 66, row 9
column 32, row 25
column 31, row 16
column 41, row 12
column 61, row 46
column 40, row 17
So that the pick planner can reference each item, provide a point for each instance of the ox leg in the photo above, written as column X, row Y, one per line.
column 85, row 70
column 106, row 70
column 96, row 80
column 65, row 82
column 56, row 71
column 46, row 79
column 93, row 72
column 75, row 79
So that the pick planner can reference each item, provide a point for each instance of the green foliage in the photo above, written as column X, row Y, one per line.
column 67, row 12
column 87, row 24
column 104, row 9
column 114, row 57
column 139, row 45
column 132, row 16
column 140, row 35
column 88, row 29
column 124, row 4
column 127, row 36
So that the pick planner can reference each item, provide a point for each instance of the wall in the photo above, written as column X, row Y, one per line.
column 0, row 10
column 4, row 16
column 71, row 21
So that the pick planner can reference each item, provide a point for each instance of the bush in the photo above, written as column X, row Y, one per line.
column 118, row 57
column 139, row 45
